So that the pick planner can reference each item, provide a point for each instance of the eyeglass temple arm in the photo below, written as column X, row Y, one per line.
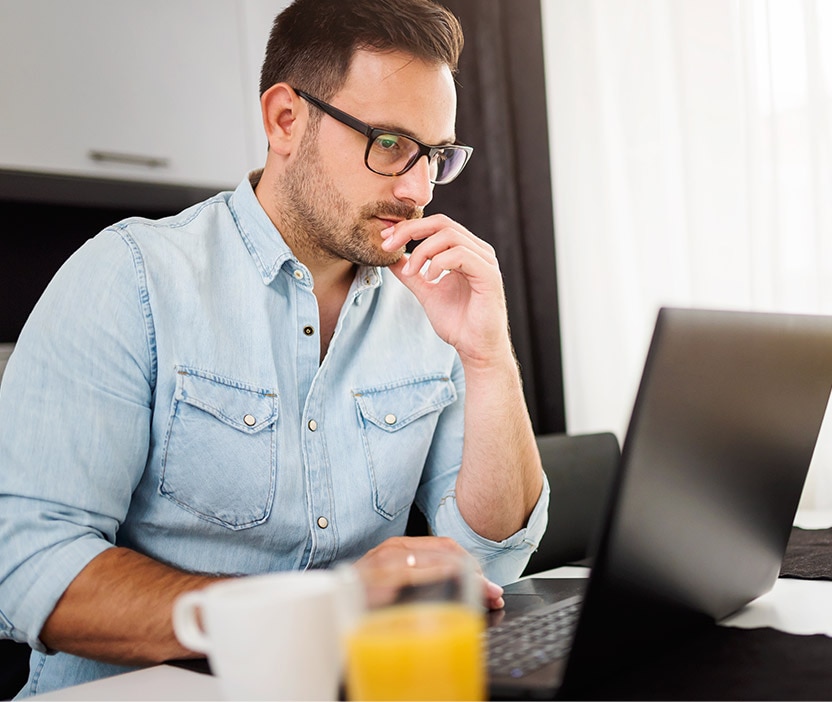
column 342, row 117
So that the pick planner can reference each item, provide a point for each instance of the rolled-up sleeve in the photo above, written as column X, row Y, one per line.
column 501, row 561
column 74, row 429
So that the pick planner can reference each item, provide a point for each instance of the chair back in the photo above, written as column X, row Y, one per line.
column 580, row 469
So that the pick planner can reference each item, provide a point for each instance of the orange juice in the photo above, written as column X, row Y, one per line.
column 424, row 651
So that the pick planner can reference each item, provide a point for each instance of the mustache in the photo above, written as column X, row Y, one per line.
column 392, row 210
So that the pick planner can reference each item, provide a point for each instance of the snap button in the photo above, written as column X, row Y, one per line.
column 249, row 420
column 298, row 274
column 313, row 425
column 323, row 522
column 390, row 419
column 309, row 331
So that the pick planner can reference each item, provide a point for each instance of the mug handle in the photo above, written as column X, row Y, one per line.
column 186, row 622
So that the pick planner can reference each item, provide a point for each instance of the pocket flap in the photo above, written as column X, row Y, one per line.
column 244, row 407
column 391, row 407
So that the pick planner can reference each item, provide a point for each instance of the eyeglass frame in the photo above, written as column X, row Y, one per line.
column 373, row 132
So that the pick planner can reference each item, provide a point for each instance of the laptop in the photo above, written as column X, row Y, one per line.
column 720, row 439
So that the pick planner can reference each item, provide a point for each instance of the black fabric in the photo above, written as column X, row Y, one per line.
column 14, row 667
column 808, row 556
column 724, row 663
column 504, row 195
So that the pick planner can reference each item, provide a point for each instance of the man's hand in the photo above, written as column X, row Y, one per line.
column 461, row 288
column 398, row 557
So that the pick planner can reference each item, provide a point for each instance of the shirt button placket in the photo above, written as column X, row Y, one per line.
column 320, row 505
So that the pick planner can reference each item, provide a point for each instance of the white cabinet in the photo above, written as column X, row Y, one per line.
column 163, row 91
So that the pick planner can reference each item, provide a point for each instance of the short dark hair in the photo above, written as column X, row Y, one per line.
column 313, row 41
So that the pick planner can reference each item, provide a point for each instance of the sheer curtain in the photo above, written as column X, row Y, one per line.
column 692, row 166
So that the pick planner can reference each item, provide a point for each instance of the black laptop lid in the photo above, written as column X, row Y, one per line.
column 713, row 465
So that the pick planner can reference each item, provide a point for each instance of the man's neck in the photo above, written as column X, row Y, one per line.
column 332, row 276
column 328, row 271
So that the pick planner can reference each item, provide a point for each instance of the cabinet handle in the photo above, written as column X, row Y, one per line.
column 128, row 159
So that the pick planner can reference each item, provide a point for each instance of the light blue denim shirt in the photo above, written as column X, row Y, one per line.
column 167, row 395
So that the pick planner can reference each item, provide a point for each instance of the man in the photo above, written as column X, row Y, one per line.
column 265, row 381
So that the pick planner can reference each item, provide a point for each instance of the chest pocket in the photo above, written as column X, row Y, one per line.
column 219, row 456
column 397, row 426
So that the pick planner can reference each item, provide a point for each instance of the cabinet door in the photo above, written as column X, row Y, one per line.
column 155, row 90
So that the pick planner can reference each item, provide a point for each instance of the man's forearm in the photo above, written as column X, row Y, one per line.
column 118, row 610
column 501, row 476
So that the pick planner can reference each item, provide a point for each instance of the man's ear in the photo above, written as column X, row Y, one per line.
column 283, row 118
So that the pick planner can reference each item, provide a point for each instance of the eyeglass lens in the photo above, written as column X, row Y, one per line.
column 390, row 154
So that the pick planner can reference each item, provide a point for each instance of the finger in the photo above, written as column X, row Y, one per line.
column 494, row 604
column 493, row 595
column 449, row 238
column 400, row 234
column 458, row 260
column 443, row 243
column 397, row 547
column 428, row 543
column 419, row 230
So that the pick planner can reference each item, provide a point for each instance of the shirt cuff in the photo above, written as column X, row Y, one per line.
column 43, row 593
column 503, row 561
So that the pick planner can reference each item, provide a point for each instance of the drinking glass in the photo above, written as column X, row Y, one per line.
column 421, row 634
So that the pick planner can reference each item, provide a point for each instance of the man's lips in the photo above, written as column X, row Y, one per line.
column 389, row 221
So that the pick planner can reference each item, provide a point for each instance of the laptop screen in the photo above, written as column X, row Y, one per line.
column 720, row 440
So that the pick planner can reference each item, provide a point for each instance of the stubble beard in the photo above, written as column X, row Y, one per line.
column 321, row 222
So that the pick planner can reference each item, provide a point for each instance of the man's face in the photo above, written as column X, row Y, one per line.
column 339, row 205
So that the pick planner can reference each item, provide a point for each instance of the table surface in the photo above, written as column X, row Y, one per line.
column 794, row 606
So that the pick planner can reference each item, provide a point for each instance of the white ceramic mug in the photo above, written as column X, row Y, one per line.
column 275, row 636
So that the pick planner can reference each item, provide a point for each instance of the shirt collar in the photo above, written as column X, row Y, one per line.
column 266, row 246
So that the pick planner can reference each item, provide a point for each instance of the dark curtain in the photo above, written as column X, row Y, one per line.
column 505, row 194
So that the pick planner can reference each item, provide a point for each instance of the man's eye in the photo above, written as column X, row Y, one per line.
column 387, row 142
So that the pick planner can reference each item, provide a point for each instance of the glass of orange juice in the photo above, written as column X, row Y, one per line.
column 421, row 636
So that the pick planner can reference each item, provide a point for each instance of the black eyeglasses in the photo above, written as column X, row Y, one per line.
column 391, row 154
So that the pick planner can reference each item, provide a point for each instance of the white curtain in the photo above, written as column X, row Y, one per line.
column 692, row 166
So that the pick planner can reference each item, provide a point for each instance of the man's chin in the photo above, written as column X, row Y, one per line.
column 393, row 257
column 383, row 258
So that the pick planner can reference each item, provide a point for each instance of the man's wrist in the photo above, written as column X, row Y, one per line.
column 501, row 359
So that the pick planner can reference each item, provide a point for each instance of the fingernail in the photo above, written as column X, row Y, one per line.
column 406, row 268
column 387, row 232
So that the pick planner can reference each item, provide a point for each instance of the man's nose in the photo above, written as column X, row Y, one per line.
column 415, row 185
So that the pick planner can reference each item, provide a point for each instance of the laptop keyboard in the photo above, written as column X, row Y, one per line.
column 532, row 640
